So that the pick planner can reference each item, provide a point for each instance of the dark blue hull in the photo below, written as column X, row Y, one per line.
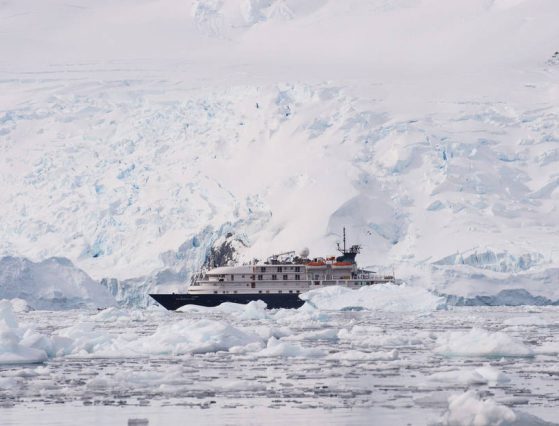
column 273, row 301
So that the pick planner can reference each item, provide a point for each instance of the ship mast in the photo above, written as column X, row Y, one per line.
column 347, row 255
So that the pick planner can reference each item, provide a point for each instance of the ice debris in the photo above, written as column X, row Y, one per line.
column 468, row 409
column 19, row 345
column 383, row 297
column 480, row 342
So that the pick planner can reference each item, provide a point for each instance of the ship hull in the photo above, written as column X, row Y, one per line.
column 273, row 301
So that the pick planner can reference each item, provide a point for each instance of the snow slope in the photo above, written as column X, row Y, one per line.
column 134, row 135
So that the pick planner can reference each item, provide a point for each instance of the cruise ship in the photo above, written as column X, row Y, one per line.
column 278, row 281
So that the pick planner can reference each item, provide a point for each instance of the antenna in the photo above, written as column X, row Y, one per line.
column 344, row 239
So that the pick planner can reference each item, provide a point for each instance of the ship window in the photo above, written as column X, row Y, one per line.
column 279, row 269
column 267, row 291
column 279, row 291
column 297, row 269
column 316, row 276
column 297, row 291
column 262, row 269
column 259, row 291
column 274, row 277
column 285, row 277
column 253, row 285
column 260, row 277
column 317, row 283
column 235, row 291
column 232, row 277
column 215, row 292
column 297, row 277
column 243, row 276
column 291, row 291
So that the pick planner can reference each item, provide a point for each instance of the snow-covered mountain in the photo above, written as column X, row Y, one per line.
column 130, row 143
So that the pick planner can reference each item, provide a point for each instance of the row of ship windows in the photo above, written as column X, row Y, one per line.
column 259, row 291
column 274, row 277
column 281, row 268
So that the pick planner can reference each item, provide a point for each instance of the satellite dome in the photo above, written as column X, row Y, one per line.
column 304, row 253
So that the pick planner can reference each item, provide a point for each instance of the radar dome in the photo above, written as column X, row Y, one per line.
column 304, row 253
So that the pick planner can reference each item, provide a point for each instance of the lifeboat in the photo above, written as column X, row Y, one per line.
column 320, row 263
column 342, row 264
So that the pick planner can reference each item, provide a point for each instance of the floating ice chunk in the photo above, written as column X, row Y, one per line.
column 10, row 382
column 354, row 355
column 277, row 347
column 306, row 314
column 84, row 339
column 242, row 386
column 525, row 320
column 12, row 349
column 326, row 334
column 7, row 317
column 492, row 374
column 12, row 352
column 385, row 297
column 118, row 314
column 463, row 377
column 468, row 409
column 481, row 375
column 548, row 348
column 376, row 336
column 195, row 337
column 98, row 383
column 479, row 342
column 20, row 305
column 254, row 310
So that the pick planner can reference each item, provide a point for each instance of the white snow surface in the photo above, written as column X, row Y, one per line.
column 133, row 135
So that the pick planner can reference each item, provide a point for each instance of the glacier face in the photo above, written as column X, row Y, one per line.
column 435, row 146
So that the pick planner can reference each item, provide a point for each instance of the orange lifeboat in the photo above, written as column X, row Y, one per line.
column 342, row 264
column 315, row 264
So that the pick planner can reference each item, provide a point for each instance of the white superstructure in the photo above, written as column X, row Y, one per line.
column 288, row 276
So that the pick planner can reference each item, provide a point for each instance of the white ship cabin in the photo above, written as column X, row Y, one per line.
column 283, row 277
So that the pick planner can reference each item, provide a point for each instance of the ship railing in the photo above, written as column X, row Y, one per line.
column 374, row 277
column 292, row 284
column 276, row 283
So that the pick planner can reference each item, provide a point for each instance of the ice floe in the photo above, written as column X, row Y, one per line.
column 275, row 347
column 480, row 342
column 384, row 297
column 481, row 375
column 468, row 409
column 17, row 344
